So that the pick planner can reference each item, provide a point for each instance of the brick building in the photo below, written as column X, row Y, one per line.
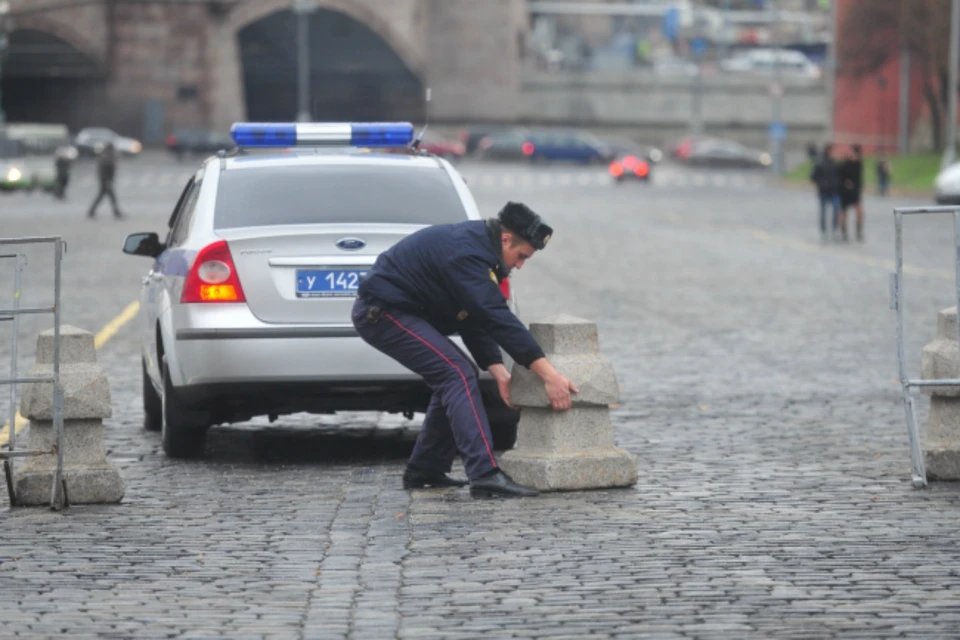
column 145, row 67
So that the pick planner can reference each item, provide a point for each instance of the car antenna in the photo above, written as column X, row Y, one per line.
column 415, row 145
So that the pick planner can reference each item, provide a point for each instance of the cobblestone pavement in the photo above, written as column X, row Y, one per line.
column 759, row 395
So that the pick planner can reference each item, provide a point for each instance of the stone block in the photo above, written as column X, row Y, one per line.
column 947, row 324
column 564, row 334
column 941, row 443
column 589, row 469
column 593, row 375
column 76, row 345
column 86, row 393
column 573, row 449
column 88, row 476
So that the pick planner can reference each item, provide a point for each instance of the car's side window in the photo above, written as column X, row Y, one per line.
column 172, row 222
column 181, row 228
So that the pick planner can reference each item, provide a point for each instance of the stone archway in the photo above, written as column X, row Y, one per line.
column 52, row 73
column 361, row 67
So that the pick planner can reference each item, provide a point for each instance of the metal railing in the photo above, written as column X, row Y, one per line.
column 896, row 303
column 58, row 491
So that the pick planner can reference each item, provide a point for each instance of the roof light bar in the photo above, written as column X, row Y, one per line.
column 312, row 134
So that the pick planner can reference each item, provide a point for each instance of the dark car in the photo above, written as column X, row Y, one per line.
column 197, row 142
column 471, row 136
column 726, row 153
column 534, row 146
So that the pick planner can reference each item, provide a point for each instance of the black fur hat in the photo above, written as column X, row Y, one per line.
column 520, row 219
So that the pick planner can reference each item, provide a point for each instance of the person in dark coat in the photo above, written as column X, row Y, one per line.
column 445, row 279
column 826, row 177
column 106, row 172
column 851, row 190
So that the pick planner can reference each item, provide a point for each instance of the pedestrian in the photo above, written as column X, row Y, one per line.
column 441, row 280
column 62, row 159
column 851, row 190
column 883, row 174
column 106, row 173
column 827, row 180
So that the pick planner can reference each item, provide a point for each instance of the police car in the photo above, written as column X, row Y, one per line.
column 246, row 307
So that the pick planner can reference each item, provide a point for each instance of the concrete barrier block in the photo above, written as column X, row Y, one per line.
column 593, row 374
column 88, row 476
column 574, row 449
column 941, row 442
column 86, row 393
column 947, row 324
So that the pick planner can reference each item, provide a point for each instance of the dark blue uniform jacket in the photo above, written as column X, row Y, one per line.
column 442, row 271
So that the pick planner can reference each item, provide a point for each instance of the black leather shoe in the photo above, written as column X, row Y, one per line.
column 500, row 485
column 414, row 478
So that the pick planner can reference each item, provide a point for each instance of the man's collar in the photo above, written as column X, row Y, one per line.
column 495, row 231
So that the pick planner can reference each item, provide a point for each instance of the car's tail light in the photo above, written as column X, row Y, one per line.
column 213, row 277
column 485, row 143
column 616, row 169
column 505, row 288
column 171, row 140
column 528, row 148
column 642, row 169
column 459, row 149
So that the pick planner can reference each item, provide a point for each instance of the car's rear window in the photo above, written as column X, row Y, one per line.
column 324, row 194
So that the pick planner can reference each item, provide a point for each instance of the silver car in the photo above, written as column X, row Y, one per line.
column 246, row 308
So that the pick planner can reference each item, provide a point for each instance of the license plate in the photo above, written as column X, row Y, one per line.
column 328, row 283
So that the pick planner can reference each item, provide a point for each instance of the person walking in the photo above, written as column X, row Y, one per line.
column 851, row 190
column 106, row 173
column 883, row 174
column 827, row 180
column 445, row 279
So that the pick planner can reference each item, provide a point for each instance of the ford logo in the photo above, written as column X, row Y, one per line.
column 351, row 244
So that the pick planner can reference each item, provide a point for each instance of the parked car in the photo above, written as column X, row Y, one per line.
column 947, row 185
column 471, row 136
column 624, row 146
column 547, row 146
column 91, row 140
column 438, row 145
column 197, row 142
column 727, row 153
column 770, row 61
column 246, row 305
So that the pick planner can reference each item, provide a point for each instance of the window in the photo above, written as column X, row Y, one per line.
column 281, row 195
column 180, row 221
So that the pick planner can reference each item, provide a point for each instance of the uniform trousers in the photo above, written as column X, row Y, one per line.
column 455, row 418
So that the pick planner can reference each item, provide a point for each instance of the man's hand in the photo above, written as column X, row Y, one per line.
column 502, row 376
column 558, row 390
column 557, row 387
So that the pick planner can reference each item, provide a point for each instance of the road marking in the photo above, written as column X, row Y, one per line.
column 810, row 247
column 103, row 336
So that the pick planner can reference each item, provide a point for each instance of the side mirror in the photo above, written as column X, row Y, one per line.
column 143, row 244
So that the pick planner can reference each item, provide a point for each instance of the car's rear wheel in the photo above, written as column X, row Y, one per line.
column 152, row 404
column 184, row 433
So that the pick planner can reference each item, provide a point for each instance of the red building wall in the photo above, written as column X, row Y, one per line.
column 866, row 110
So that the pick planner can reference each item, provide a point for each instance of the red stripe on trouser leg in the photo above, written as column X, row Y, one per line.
column 466, row 385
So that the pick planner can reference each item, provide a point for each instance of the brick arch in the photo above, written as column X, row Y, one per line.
column 250, row 12
column 76, row 39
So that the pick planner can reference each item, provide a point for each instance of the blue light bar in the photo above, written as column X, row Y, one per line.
column 310, row 134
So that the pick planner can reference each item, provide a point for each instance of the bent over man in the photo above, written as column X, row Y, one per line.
column 441, row 280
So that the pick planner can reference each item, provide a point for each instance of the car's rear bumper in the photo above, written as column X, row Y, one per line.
column 283, row 354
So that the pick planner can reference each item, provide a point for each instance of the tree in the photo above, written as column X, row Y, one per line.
column 873, row 33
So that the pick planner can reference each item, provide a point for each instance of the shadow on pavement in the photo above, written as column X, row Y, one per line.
column 227, row 444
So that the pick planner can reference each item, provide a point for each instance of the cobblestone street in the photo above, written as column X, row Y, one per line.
column 759, row 393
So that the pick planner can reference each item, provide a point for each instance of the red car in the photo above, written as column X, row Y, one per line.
column 629, row 167
column 443, row 147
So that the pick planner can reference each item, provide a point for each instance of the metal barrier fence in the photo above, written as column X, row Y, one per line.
column 58, row 492
column 896, row 302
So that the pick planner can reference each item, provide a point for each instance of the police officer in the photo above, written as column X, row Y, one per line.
column 445, row 279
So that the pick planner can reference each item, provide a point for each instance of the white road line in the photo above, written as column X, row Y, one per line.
column 145, row 179
column 719, row 181
column 699, row 181
column 163, row 180
column 546, row 180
